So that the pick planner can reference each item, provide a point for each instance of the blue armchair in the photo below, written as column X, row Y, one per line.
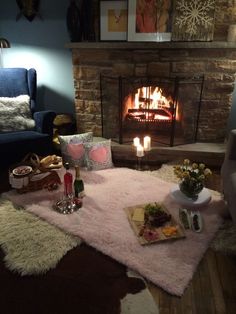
column 14, row 145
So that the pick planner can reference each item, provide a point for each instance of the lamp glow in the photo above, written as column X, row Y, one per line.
column 4, row 43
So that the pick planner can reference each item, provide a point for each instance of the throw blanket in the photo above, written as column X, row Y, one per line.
column 103, row 224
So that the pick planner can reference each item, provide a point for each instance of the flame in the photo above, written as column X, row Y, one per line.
column 146, row 99
column 160, row 117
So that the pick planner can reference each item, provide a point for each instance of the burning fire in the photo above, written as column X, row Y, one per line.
column 151, row 105
column 155, row 99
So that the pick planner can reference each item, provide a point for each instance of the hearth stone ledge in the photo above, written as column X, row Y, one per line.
column 151, row 45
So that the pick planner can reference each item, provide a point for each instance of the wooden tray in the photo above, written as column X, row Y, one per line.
column 138, row 225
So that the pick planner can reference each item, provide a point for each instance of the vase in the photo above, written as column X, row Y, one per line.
column 87, row 20
column 73, row 22
column 191, row 188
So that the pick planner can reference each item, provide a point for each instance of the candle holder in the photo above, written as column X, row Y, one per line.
column 146, row 165
column 139, row 163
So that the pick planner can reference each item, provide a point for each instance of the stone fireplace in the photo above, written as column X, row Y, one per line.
column 165, row 108
column 215, row 60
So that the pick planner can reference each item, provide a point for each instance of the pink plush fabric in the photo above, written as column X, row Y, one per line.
column 102, row 223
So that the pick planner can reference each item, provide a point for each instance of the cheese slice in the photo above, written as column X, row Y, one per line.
column 138, row 214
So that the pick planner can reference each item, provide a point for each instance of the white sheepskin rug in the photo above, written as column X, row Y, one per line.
column 31, row 245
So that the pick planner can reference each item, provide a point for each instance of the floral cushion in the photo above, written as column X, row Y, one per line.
column 72, row 147
column 98, row 155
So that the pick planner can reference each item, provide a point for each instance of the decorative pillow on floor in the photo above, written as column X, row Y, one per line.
column 98, row 155
column 72, row 147
column 15, row 114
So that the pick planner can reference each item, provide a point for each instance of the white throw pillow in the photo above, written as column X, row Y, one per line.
column 15, row 114
column 98, row 155
column 72, row 147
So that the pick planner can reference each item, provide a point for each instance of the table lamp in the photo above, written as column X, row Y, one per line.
column 4, row 43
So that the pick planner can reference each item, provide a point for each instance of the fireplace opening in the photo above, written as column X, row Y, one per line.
column 149, row 105
column 167, row 109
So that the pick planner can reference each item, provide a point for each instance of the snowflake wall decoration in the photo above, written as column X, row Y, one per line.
column 194, row 17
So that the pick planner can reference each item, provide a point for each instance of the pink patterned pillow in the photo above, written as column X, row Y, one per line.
column 98, row 155
column 75, row 151
column 72, row 147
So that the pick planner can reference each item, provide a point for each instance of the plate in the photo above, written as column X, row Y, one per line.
column 22, row 171
column 67, row 206
column 203, row 199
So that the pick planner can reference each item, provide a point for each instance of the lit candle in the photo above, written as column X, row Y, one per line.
column 136, row 141
column 140, row 152
column 147, row 143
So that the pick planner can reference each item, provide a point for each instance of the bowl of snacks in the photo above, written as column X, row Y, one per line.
column 22, row 171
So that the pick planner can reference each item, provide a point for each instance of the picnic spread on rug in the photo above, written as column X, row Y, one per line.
column 102, row 222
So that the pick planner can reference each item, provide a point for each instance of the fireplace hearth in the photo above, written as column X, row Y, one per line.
column 165, row 108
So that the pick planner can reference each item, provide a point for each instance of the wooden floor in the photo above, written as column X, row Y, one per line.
column 212, row 289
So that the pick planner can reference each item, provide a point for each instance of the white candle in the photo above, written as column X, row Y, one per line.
column 147, row 143
column 136, row 141
column 140, row 152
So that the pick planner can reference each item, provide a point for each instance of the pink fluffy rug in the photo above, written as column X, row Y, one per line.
column 102, row 223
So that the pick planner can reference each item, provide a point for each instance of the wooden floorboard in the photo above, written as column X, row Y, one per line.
column 226, row 267
column 211, row 291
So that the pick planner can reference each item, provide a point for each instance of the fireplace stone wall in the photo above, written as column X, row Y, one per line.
column 216, row 60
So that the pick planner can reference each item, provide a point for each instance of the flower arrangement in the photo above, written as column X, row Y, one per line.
column 192, row 177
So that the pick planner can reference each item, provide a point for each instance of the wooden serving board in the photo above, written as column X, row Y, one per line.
column 138, row 225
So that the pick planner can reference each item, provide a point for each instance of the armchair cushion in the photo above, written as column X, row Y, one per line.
column 15, row 114
column 19, row 81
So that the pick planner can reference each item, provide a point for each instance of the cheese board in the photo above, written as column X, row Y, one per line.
column 152, row 223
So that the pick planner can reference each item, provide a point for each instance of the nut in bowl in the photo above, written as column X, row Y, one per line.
column 21, row 171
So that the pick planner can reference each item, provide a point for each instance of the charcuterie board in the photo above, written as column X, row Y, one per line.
column 164, row 227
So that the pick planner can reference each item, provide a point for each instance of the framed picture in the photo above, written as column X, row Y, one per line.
column 149, row 20
column 113, row 20
column 193, row 20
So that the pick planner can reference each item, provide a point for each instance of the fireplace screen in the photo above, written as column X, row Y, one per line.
column 167, row 109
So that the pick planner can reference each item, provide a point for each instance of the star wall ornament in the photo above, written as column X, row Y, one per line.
column 193, row 20
column 28, row 8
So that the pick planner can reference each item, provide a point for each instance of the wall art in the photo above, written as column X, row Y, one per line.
column 113, row 20
column 149, row 20
column 28, row 8
column 193, row 20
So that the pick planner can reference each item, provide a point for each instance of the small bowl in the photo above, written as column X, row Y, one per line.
column 22, row 171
